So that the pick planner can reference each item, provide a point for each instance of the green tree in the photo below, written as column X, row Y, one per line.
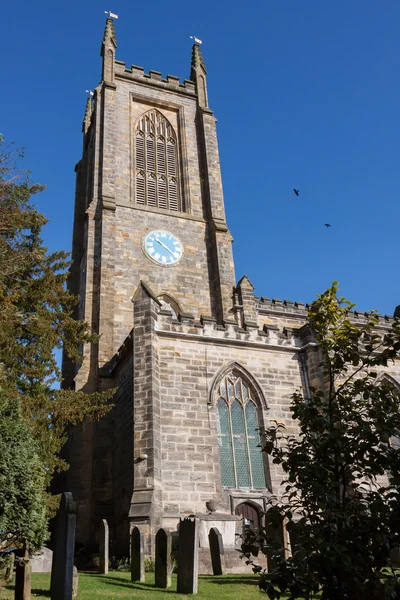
column 22, row 478
column 341, row 494
column 36, row 318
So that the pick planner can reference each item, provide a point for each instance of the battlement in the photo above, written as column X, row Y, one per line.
column 270, row 335
column 208, row 328
column 170, row 82
column 275, row 306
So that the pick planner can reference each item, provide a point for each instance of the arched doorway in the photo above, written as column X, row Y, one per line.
column 250, row 515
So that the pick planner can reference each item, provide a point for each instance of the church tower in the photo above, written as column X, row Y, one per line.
column 149, row 207
column 193, row 355
column 150, row 165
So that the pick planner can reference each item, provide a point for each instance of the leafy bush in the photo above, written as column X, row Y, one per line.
column 341, row 495
column 149, row 564
column 120, row 564
column 94, row 561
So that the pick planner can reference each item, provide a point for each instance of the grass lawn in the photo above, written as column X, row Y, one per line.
column 117, row 585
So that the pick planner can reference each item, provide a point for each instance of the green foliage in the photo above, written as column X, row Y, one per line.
column 36, row 318
column 120, row 564
column 22, row 477
column 341, row 495
column 149, row 564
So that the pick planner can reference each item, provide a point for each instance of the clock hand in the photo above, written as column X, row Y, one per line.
column 164, row 246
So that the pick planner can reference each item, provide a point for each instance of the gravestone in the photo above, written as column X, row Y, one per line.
column 137, row 555
column 188, row 556
column 23, row 579
column 75, row 579
column 163, row 559
column 42, row 561
column 104, row 537
column 63, row 556
column 10, row 568
column 216, row 550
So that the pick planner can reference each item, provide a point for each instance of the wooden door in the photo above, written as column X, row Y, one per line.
column 250, row 514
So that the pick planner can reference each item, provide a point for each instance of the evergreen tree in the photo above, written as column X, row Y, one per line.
column 36, row 318
column 22, row 479
column 341, row 495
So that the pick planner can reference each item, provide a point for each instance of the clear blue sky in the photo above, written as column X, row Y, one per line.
column 306, row 93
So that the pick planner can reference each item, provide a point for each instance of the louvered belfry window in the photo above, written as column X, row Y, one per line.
column 157, row 163
column 240, row 456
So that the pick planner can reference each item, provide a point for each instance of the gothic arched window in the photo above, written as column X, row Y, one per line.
column 157, row 163
column 240, row 456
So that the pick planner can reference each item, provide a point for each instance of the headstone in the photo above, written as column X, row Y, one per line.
column 42, row 561
column 188, row 556
column 23, row 579
column 216, row 550
column 63, row 556
column 104, row 536
column 137, row 555
column 75, row 579
column 10, row 568
column 163, row 559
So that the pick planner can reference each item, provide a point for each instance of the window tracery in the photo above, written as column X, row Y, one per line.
column 241, row 460
column 157, row 163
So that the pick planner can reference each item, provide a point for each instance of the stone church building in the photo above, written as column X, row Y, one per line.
column 199, row 361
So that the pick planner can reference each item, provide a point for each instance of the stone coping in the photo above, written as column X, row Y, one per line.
column 216, row 516
column 170, row 82
column 277, row 306
column 206, row 329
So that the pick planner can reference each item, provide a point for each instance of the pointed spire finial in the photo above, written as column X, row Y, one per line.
column 88, row 114
column 198, row 73
column 197, row 60
column 109, row 34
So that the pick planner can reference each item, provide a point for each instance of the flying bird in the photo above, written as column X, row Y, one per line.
column 297, row 192
column 327, row 225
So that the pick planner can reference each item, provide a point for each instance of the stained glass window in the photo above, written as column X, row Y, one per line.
column 256, row 457
column 240, row 456
column 239, row 441
column 225, row 445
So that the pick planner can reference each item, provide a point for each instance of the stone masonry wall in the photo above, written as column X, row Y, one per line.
column 189, row 365
column 188, row 281
column 120, row 259
column 123, row 451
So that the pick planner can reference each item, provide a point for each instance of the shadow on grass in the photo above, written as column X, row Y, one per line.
column 133, row 585
column 230, row 580
column 213, row 579
column 37, row 591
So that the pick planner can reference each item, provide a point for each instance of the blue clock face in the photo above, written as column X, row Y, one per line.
column 163, row 247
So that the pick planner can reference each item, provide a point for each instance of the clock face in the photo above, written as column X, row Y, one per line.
column 163, row 247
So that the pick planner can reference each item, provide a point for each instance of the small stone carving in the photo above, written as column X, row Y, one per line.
column 211, row 505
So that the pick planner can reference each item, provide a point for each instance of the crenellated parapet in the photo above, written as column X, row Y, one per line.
column 286, row 308
column 206, row 329
column 170, row 82
column 276, row 337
